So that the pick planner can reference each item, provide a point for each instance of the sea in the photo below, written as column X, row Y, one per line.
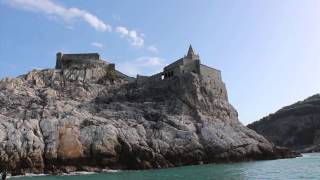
column 306, row 167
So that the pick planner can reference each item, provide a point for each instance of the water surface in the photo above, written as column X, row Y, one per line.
column 306, row 167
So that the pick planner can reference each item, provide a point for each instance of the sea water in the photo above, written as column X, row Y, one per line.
column 306, row 167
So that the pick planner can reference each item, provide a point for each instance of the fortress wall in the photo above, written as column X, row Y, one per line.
column 142, row 79
column 82, row 61
column 149, row 79
column 93, row 56
column 155, row 77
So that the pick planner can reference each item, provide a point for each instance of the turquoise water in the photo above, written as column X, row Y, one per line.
column 307, row 167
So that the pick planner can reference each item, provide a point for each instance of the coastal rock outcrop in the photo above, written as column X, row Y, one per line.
column 54, row 121
column 296, row 126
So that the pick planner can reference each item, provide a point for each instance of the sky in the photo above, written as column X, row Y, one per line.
column 268, row 50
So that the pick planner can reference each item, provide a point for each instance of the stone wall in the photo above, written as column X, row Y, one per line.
column 174, row 64
column 191, row 66
column 67, row 60
column 93, row 56
column 210, row 73
column 184, row 65
column 142, row 79
column 150, row 80
column 212, row 77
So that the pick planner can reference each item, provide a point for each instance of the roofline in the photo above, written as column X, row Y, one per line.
column 77, row 53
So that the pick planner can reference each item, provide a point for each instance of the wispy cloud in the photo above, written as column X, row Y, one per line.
column 69, row 15
column 153, row 49
column 147, row 65
column 98, row 45
column 58, row 11
column 134, row 37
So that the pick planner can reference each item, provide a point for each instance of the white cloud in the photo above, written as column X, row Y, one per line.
column 134, row 37
column 98, row 45
column 153, row 49
column 58, row 11
column 142, row 65
column 68, row 15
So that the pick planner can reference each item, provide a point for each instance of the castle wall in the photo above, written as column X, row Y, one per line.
column 142, row 79
column 156, row 78
column 209, row 73
column 93, row 56
column 66, row 60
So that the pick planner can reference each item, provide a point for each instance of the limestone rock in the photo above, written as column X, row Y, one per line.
column 295, row 126
column 79, row 118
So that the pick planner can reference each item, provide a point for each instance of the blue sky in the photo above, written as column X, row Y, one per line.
column 268, row 50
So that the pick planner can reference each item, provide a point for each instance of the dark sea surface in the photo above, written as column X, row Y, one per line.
column 306, row 167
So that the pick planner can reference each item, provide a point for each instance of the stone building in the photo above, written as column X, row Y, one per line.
column 87, row 66
column 190, row 63
column 66, row 60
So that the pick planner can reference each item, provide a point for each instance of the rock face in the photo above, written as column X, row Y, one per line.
column 296, row 126
column 90, row 119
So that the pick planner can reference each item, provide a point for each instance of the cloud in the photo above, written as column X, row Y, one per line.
column 98, row 45
column 142, row 65
column 153, row 49
column 134, row 37
column 58, row 11
column 68, row 15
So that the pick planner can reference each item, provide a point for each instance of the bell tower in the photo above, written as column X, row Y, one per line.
column 191, row 54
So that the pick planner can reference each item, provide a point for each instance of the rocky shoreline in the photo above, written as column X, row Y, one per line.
column 295, row 126
column 86, row 118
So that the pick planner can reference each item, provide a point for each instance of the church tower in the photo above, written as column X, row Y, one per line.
column 191, row 54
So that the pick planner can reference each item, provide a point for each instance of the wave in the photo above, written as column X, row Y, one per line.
column 26, row 175
column 111, row 170
column 63, row 174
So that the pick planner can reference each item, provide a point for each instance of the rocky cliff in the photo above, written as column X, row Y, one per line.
column 90, row 118
column 296, row 126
